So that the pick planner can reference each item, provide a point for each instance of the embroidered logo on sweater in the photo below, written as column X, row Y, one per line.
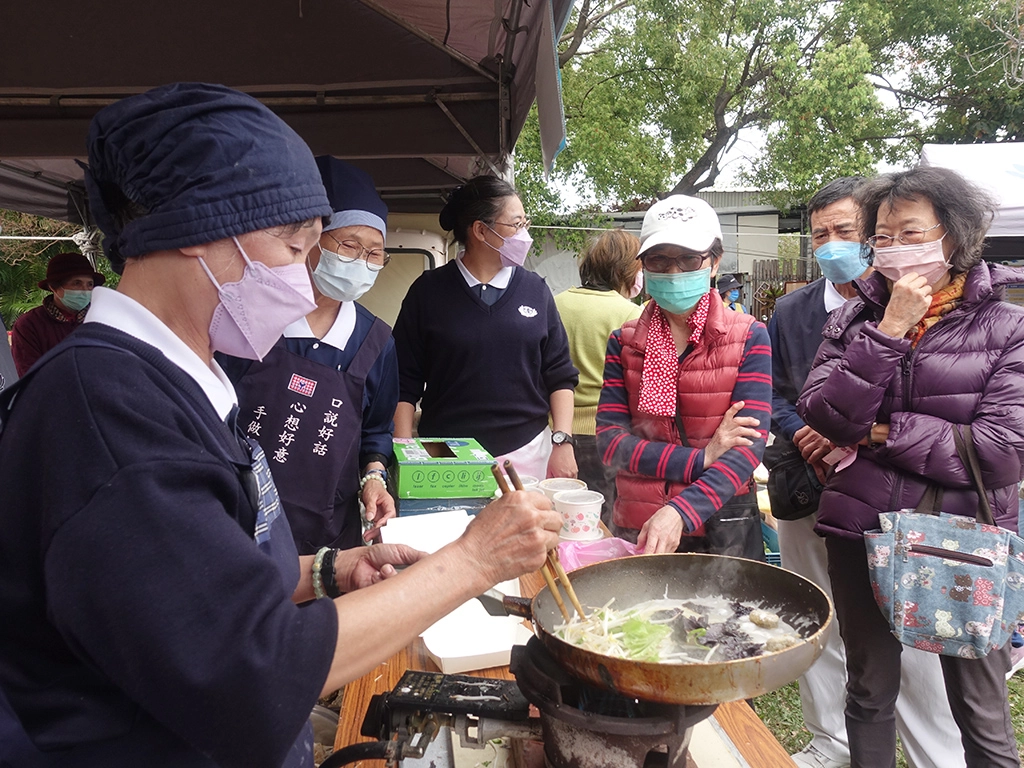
column 526, row 311
column 302, row 385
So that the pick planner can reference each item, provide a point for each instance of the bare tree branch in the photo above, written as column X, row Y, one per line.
column 585, row 26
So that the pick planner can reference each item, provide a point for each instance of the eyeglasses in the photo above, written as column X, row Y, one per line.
column 516, row 225
column 350, row 250
column 688, row 262
column 907, row 237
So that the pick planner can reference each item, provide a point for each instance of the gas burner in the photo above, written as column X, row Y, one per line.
column 588, row 727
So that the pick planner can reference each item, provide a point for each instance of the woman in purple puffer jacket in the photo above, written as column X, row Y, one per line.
column 928, row 345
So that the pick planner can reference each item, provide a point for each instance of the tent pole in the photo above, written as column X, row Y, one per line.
column 465, row 134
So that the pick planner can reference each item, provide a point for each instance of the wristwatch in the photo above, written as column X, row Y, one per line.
column 560, row 438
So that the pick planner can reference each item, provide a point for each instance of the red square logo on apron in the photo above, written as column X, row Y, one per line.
column 302, row 385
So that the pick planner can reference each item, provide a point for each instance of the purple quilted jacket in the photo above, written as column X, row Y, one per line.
column 967, row 369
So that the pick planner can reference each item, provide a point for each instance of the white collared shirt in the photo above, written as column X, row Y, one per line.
column 125, row 314
column 340, row 331
column 500, row 280
column 833, row 298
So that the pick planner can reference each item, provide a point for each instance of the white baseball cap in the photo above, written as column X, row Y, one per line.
column 688, row 222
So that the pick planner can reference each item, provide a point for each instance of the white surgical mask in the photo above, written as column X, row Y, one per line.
column 342, row 280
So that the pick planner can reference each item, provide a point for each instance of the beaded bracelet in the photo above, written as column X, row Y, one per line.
column 318, row 582
column 373, row 474
column 328, row 576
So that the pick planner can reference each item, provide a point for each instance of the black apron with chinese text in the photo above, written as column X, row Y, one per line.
column 309, row 418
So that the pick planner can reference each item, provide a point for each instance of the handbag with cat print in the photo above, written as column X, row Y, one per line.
column 948, row 584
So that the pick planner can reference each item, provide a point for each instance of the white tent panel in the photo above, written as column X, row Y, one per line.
column 998, row 168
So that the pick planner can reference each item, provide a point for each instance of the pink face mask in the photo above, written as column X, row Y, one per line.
column 638, row 284
column 513, row 249
column 253, row 312
column 926, row 259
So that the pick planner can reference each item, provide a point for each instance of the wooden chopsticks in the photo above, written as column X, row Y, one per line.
column 552, row 570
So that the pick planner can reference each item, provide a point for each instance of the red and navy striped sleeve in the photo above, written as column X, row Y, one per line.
column 620, row 448
column 707, row 490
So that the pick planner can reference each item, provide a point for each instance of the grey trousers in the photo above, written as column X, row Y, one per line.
column 976, row 688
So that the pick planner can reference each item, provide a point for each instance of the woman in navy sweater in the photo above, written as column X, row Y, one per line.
column 480, row 341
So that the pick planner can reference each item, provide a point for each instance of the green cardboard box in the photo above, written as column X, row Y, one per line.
column 439, row 468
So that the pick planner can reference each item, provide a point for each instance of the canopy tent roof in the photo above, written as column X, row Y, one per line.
column 997, row 168
column 422, row 94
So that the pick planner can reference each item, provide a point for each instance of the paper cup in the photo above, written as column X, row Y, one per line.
column 581, row 514
column 529, row 482
column 553, row 485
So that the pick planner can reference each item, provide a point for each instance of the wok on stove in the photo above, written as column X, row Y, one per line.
column 633, row 580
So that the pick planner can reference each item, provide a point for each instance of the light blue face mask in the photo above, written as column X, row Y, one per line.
column 842, row 261
column 342, row 280
column 734, row 294
column 678, row 292
column 76, row 301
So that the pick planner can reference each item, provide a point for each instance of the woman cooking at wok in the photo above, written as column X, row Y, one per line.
column 928, row 345
column 155, row 610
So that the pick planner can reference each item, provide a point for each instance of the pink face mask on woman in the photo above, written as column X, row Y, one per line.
column 253, row 312
column 513, row 249
column 638, row 284
column 927, row 259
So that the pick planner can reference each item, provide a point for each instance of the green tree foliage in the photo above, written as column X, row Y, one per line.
column 658, row 92
column 23, row 262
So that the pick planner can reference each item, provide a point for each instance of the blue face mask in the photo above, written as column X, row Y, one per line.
column 76, row 301
column 734, row 294
column 842, row 261
column 678, row 292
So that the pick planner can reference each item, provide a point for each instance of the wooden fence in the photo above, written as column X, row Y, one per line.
column 772, row 278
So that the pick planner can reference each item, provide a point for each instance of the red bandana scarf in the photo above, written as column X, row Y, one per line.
column 659, row 380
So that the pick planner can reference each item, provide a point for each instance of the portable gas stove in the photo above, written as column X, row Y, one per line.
column 570, row 725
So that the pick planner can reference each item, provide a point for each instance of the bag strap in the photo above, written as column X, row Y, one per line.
column 965, row 447
column 931, row 502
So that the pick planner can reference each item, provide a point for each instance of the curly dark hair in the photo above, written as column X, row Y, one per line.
column 479, row 199
column 963, row 208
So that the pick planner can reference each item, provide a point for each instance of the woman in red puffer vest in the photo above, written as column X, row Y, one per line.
column 684, row 411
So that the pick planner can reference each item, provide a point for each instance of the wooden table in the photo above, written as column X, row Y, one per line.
column 739, row 722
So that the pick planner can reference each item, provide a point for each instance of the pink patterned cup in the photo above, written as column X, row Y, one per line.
column 581, row 514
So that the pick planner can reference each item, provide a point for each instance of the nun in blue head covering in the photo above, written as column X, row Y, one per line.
column 155, row 608
column 338, row 364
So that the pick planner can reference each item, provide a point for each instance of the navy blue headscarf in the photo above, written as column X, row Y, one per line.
column 192, row 163
column 353, row 196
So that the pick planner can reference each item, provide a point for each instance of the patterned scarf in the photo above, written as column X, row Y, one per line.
column 659, row 380
column 943, row 302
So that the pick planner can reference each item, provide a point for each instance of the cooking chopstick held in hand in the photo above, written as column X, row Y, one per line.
column 545, row 571
column 554, row 563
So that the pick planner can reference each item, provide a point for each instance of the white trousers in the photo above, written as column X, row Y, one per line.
column 924, row 722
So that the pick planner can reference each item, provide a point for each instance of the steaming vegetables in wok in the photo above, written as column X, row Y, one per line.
column 669, row 631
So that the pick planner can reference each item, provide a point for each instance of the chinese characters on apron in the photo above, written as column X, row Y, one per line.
column 308, row 417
